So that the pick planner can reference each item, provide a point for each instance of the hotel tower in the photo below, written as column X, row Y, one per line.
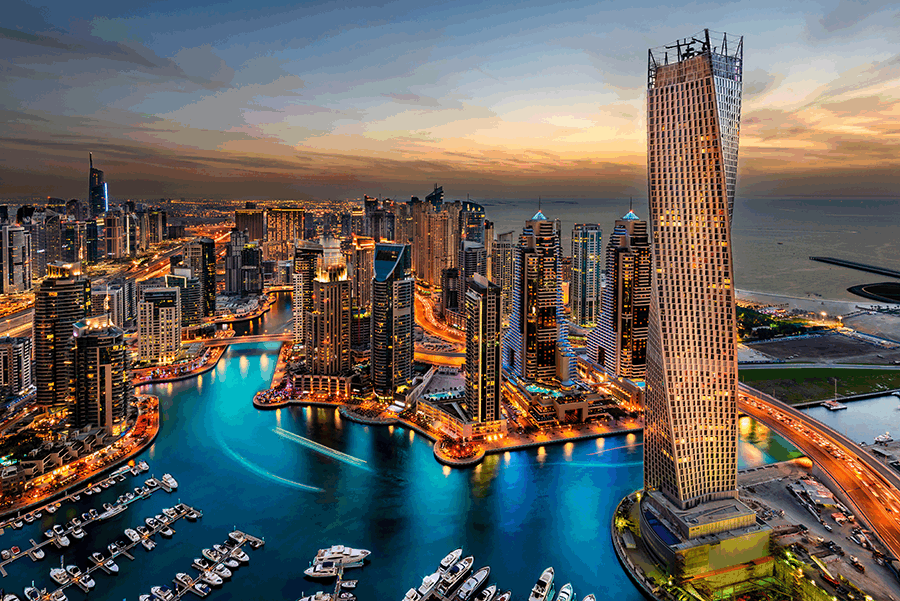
column 693, row 119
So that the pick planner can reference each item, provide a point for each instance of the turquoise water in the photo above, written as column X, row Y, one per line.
column 379, row 488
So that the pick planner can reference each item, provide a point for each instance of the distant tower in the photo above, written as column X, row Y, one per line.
column 307, row 257
column 15, row 259
column 284, row 227
column 233, row 264
column 619, row 342
column 60, row 300
column 536, row 345
column 393, row 318
column 159, row 325
column 252, row 220
column 97, row 192
column 693, row 119
column 483, row 349
column 200, row 255
column 584, row 289
column 191, row 293
column 102, row 382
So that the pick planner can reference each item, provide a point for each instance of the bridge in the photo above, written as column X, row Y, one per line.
column 249, row 339
column 858, row 266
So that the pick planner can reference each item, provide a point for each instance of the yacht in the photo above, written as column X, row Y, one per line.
column 151, row 482
column 143, row 531
column 4, row 554
column 51, row 509
column 211, row 555
column 170, row 481
column 59, row 576
column 148, row 544
column 320, row 596
column 88, row 491
column 200, row 564
column 144, row 598
column 322, row 570
column 151, row 522
column 183, row 579
column 63, row 541
column 132, row 535
column 505, row 596
column 29, row 519
column 97, row 557
column 31, row 593
column 349, row 583
column 129, row 496
column 74, row 571
column 428, row 584
column 111, row 566
column 884, row 438
column 236, row 536
column 163, row 593
column 142, row 465
column 831, row 405
column 240, row 555
column 96, row 489
column 452, row 576
column 211, row 578
column 57, row 530
column 566, row 593
column 170, row 513
column 76, row 497
column 203, row 589
column 38, row 554
column 167, row 532
column 112, row 547
column 222, row 571
column 473, row 583
column 543, row 589
column 487, row 594
column 340, row 554
column 93, row 513
column 87, row 581
column 78, row 533
column 10, row 597
column 451, row 559
column 85, row 517
column 58, row 595
column 18, row 524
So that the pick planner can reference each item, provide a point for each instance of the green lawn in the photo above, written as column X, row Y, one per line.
column 799, row 385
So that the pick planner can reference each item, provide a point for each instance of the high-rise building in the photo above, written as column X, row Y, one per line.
column 502, row 270
column 15, row 366
column 94, row 243
column 200, row 255
column 436, row 197
column 251, row 269
column 15, row 259
column 693, row 115
column 471, row 222
column 328, row 324
column 101, row 386
column 450, row 288
column 360, row 263
column 233, row 263
column 619, row 342
column 158, row 227
column 393, row 318
column 489, row 245
column 115, row 233
column 472, row 260
column 584, row 285
column 191, row 293
column 97, row 192
column 483, row 349
column 536, row 345
column 284, row 227
column 109, row 300
column 159, row 325
column 60, row 300
column 251, row 220
column 307, row 257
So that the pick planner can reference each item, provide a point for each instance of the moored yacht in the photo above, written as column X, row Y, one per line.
column 454, row 575
column 59, row 576
column 543, row 588
column 590, row 597
column 340, row 554
column 169, row 481
column 163, row 593
column 452, row 558
column 473, row 583
column 504, row 596
column 325, row 569
column 111, row 566
column 487, row 594
column 566, row 593
column 148, row 544
column 132, row 535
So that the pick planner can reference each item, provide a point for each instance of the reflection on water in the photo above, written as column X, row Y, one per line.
column 760, row 446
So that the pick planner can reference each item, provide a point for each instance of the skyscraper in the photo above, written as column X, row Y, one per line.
column 536, row 345
column 619, row 342
column 483, row 349
column 97, row 192
column 584, row 286
column 101, row 386
column 693, row 115
column 502, row 268
column 233, row 263
column 252, row 220
column 15, row 366
column 284, row 226
column 307, row 257
column 159, row 325
column 15, row 259
column 393, row 318
column 200, row 255
column 60, row 300
column 191, row 294
column 472, row 260
column 328, row 324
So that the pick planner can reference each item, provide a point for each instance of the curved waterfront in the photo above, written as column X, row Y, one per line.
column 374, row 487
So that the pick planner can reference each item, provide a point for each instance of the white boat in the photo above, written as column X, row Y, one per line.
column 349, row 584
column 57, row 530
column 38, row 554
column 322, row 570
column 10, row 597
column 236, row 536
column 473, row 583
column 222, row 571
column 163, row 593
column 31, row 593
column 319, row 596
column 58, row 595
column 74, row 571
column 59, row 576
column 170, row 513
column 87, row 581
column 454, row 575
column 151, row 522
column 151, row 482
column 240, row 555
column 63, row 541
column 504, row 596
column 211, row 578
column 169, row 481
column 884, row 438
column 543, row 588
column 142, row 465
column 566, row 593
column 132, row 535
column 451, row 559
column 183, row 579
column 148, row 544
column 202, row 588
column 97, row 557
column 4, row 554
column 144, row 598
column 211, row 555
column 831, row 405
column 78, row 533
column 428, row 584
column 340, row 554
column 111, row 566
column 487, row 594
column 167, row 532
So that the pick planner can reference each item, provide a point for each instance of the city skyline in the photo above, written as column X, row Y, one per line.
column 199, row 101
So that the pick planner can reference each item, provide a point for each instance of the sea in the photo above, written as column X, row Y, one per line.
column 773, row 238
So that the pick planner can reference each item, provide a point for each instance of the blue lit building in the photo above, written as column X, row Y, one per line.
column 97, row 192
column 393, row 318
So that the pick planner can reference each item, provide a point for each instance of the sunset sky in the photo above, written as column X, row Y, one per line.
column 335, row 99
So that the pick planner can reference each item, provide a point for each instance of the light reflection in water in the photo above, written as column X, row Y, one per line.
column 630, row 439
column 542, row 454
column 412, row 435
column 245, row 366
column 506, row 456
column 567, row 449
column 600, row 442
column 278, row 417
column 264, row 362
column 446, row 470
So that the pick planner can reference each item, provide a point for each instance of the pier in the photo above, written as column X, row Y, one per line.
column 858, row 266
column 181, row 589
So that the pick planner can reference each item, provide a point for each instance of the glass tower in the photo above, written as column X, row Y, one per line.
column 99, row 196
column 585, row 285
column 393, row 318
column 693, row 116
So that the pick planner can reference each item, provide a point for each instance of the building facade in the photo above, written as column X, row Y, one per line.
column 159, row 325
column 200, row 255
column 15, row 260
column 102, row 382
column 483, row 349
column 584, row 283
column 284, row 227
column 393, row 318
column 307, row 258
column 97, row 193
column 328, row 324
column 15, row 366
column 472, row 260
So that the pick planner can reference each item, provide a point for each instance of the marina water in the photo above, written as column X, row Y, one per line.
column 518, row 512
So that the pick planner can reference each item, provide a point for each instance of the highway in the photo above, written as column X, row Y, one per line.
column 427, row 321
column 870, row 486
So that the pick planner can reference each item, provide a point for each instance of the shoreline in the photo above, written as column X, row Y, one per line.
column 208, row 367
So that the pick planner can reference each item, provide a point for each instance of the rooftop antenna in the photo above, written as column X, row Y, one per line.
column 91, row 159
column 631, row 203
column 539, row 204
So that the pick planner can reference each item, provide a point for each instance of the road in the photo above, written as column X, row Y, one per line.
column 427, row 321
column 870, row 488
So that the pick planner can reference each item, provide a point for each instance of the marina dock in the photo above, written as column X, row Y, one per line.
column 181, row 589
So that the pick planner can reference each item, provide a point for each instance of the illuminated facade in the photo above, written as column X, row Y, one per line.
column 393, row 318
column 693, row 115
column 97, row 192
column 200, row 255
column 15, row 259
column 584, row 288
column 284, row 226
column 483, row 349
column 307, row 256
column 502, row 268
column 102, row 383
column 328, row 324
column 159, row 325
column 15, row 366
column 622, row 332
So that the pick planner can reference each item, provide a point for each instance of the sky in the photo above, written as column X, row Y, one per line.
column 280, row 100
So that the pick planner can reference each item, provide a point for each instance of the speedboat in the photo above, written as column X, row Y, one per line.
column 183, row 579
column 58, row 595
column 169, row 481
column 142, row 465
column 211, row 578
column 322, row 570
column 167, row 532
column 76, row 497
column 543, row 588
column 487, row 594
column 76, row 521
column 88, row 491
column 222, row 571
column 93, row 513
column 884, row 438
column 151, row 522
column 63, row 541
column 111, row 566
column 170, row 513
column 211, row 555
column 87, row 581
column 120, row 478
column 112, row 547
column 74, row 571
column 144, row 598
column 474, row 582
column 236, row 536
column 97, row 557
column 138, row 491
column 456, row 573
column 85, row 517
column 18, row 524
column 349, row 583
column 203, row 589
column 148, row 544
column 107, row 506
column 163, row 593
column 341, row 555
column 142, row 530
column 566, row 593
column 504, row 596
column 57, row 530
column 319, row 596
column 129, row 496
column 96, row 489
column 132, row 535
column 151, row 482
column 240, row 555
column 4, row 554
column 59, row 576
column 38, row 554
column 32, row 594
column 28, row 518
column 200, row 564
column 78, row 533
column 451, row 559
column 51, row 509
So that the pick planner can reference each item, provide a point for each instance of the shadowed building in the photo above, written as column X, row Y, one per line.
column 393, row 319
column 483, row 349
column 97, row 192
column 102, row 383
column 584, row 283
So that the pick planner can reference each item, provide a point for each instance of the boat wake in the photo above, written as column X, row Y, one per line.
column 266, row 474
column 320, row 448
column 624, row 446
